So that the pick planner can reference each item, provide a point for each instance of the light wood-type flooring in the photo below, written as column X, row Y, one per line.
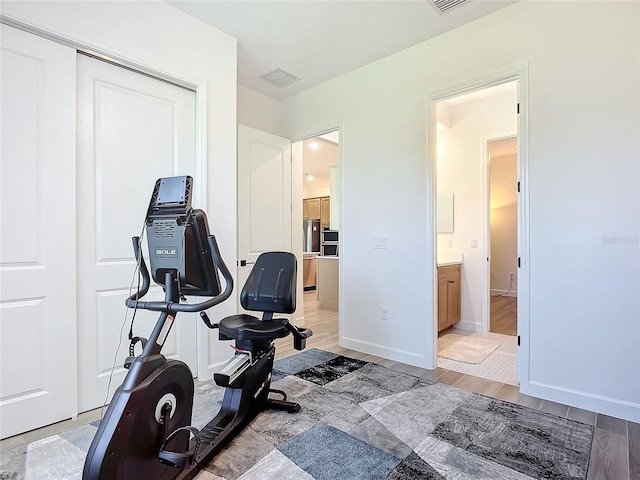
column 615, row 453
column 503, row 313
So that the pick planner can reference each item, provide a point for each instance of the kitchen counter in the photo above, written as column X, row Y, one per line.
column 327, row 285
column 327, row 257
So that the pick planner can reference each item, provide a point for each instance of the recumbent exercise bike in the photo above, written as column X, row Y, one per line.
column 146, row 432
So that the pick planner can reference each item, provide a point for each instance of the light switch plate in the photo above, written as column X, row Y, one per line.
column 380, row 242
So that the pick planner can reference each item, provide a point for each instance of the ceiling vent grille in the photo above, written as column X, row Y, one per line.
column 279, row 78
column 444, row 6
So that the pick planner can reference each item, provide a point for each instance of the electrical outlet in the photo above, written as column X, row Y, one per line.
column 450, row 243
column 474, row 243
column 384, row 314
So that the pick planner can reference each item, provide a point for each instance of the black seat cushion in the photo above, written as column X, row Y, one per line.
column 248, row 327
column 271, row 285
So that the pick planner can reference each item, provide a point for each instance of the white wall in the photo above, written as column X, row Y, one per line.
column 313, row 191
column 503, row 178
column 583, row 188
column 193, row 52
column 462, row 169
column 259, row 111
column 317, row 163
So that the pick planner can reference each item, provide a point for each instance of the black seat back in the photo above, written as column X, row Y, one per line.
column 271, row 286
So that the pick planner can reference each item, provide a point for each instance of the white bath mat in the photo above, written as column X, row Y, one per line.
column 464, row 348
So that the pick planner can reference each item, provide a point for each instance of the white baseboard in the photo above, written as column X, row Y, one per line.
column 586, row 400
column 503, row 294
column 472, row 326
column 403, row 356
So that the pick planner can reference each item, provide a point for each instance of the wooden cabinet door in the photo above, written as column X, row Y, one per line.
column 309, row 272
column 453, row 300
column 443, row 304
column 325, row 212
column 314, row 208
column 449, row 290
column 305, row 209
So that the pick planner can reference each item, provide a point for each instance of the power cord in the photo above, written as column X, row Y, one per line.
column 508, row 291
column 136, row 272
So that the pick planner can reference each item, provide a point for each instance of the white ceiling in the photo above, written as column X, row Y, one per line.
column 316, row 40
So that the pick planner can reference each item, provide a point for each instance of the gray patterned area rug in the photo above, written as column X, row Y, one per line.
column 358, row 421
column 362, row 421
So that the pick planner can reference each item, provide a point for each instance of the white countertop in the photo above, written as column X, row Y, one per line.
column 327, row 257
column 445, row 259
column 453, row 262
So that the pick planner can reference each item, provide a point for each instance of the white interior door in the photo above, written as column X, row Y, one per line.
column 37, row 259
column 132, row 129
column 264, row 197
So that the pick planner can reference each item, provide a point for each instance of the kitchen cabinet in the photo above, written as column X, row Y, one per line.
column 448, row 295
column 311, row 208
column 309, row 272
column 325, row 213
column 317, row 208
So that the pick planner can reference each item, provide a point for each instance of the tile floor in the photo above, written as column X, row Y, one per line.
column 499, row 366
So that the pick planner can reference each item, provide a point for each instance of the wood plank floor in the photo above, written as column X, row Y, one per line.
column 615, row 454
column 504, row 311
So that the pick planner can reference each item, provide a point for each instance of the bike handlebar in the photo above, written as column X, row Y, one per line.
column 146, row 279
column 175, row 307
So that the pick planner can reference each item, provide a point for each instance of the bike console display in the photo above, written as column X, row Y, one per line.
column 177, row 239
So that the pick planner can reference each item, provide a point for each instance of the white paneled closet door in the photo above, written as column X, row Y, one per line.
column 132, row 129
column 38, row 233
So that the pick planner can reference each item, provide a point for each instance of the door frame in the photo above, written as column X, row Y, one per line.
column 520, row 74
column 86, row 46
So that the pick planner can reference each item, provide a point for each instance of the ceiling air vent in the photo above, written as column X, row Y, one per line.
column 443, row 6
column 279, row 78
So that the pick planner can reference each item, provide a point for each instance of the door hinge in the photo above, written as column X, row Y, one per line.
column 518, row 340
column 518, row 108
column 518, row 262
column 518, row 186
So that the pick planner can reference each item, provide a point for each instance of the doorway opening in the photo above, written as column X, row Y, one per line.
column 503, row 235
column 320, row 158
column 468, row 281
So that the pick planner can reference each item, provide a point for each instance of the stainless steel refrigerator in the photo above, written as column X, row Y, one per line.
column 311, row 229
